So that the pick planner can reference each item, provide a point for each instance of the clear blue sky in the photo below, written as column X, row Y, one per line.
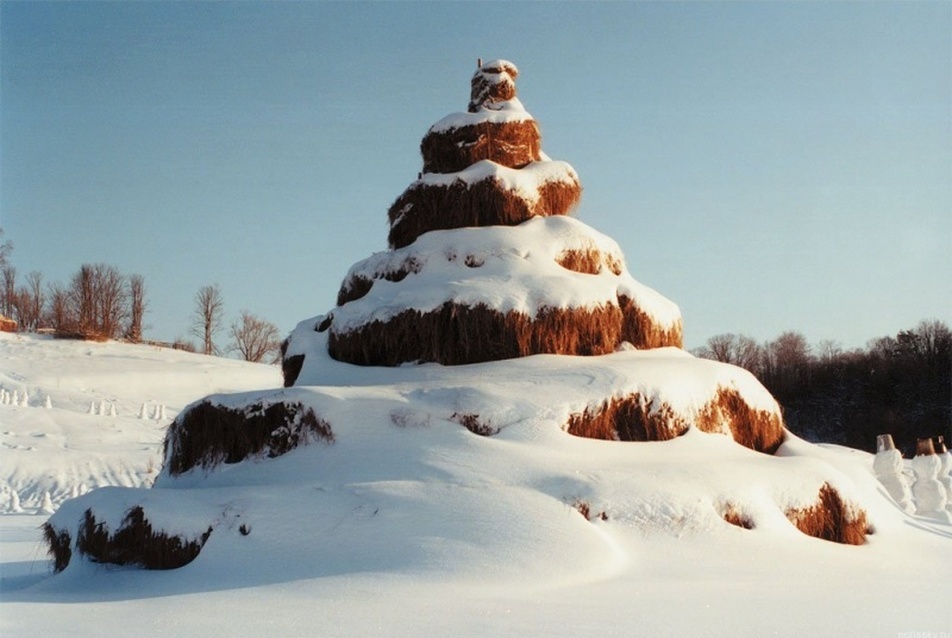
column 767, row 166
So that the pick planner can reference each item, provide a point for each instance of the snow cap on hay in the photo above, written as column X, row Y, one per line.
column 486, row 195
column 492, row 82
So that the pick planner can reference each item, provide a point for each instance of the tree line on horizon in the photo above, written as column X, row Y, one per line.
column 899, row 385
column 99, row 302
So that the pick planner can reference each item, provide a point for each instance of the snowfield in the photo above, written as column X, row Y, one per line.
column 409, row 524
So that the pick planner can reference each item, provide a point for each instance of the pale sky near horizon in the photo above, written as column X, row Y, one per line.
column 767, row 166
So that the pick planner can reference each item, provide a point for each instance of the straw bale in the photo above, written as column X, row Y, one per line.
column 512, row 144
column 472, row 423
column 730, row 514
column 425, row 207
column 639, row 418
column 135, row 543
column 630, row 418
column 755, row 429
column 493, row 82
column 642, row 331
column 207, row 435
column 456, row 334
column 589, row 261
column 291, row 368
column 831, row 519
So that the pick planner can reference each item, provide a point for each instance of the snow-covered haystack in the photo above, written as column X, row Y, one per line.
column 483, row 167
column 485, row 369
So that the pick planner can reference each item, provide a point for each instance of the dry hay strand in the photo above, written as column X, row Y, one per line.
column 472, row 423
column 639, row 418
column 630, row 418
column 512, row 144
column 583, row 508
column 59, row 546
column 207, row 435
column 455, row 334
column 759, row 430
column 423, row 207
column 644, row 332
column 731, row 514
column 831, row 519
column 492, row 83
column 589, row 261
column 135, row 543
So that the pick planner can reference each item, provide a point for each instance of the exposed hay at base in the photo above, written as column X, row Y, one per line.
column 639, row 418
column 208, row 435
column 585, row 510
column 59, row 546
column 472, row 423
column 423, row 207
column 730, row 514
column 291, row 368
column 831, row 519
column 630, row 418
column 512, row 144
column 644, row 332
column 455, row 334
column 589, row 261
column 755, row 429
column 135, row 543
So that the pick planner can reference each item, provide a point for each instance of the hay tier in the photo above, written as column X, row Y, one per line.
column 509, row 275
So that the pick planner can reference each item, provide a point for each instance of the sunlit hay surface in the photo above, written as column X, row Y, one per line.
column 759, row 430
column 590, row 261
column 831, row 518
column 512, row 144
column 425, row 207
column 638, row 418
column 455, row 334
column 207, row 435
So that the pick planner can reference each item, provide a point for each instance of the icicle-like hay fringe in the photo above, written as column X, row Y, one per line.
column 456, row 334
column 637, row 418
column 831, row 519
column 208, row 435
column 422, row 208
column 512, row 144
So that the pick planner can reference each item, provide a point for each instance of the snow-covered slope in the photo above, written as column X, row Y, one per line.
column 409, row 524
column 109, row 404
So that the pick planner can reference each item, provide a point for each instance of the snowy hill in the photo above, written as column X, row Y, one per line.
column 108, row 407
column 410, row 524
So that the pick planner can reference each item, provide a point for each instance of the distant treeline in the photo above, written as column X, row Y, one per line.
column 899, row 385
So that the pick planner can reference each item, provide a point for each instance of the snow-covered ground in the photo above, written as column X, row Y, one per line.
column 411, row 525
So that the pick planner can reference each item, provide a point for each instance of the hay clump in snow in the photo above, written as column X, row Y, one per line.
column 136, row 543
column 459, row 334
column 831, row 518
column 59, row 546
column 493, row 82
column 637, row 417
column 514, row 144
column 488, row 199
column 207, row 435
column 590, row 261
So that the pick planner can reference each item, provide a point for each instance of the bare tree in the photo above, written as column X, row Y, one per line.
column 739, row 350
column 57, row 307
column 209, row 308
column 254, row 338
column 29, row 302
column 137, row 307
column 8, row 290
column 6, row 247
column 96, row 305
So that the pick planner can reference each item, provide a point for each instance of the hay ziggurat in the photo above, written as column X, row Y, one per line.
column 492, row 310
